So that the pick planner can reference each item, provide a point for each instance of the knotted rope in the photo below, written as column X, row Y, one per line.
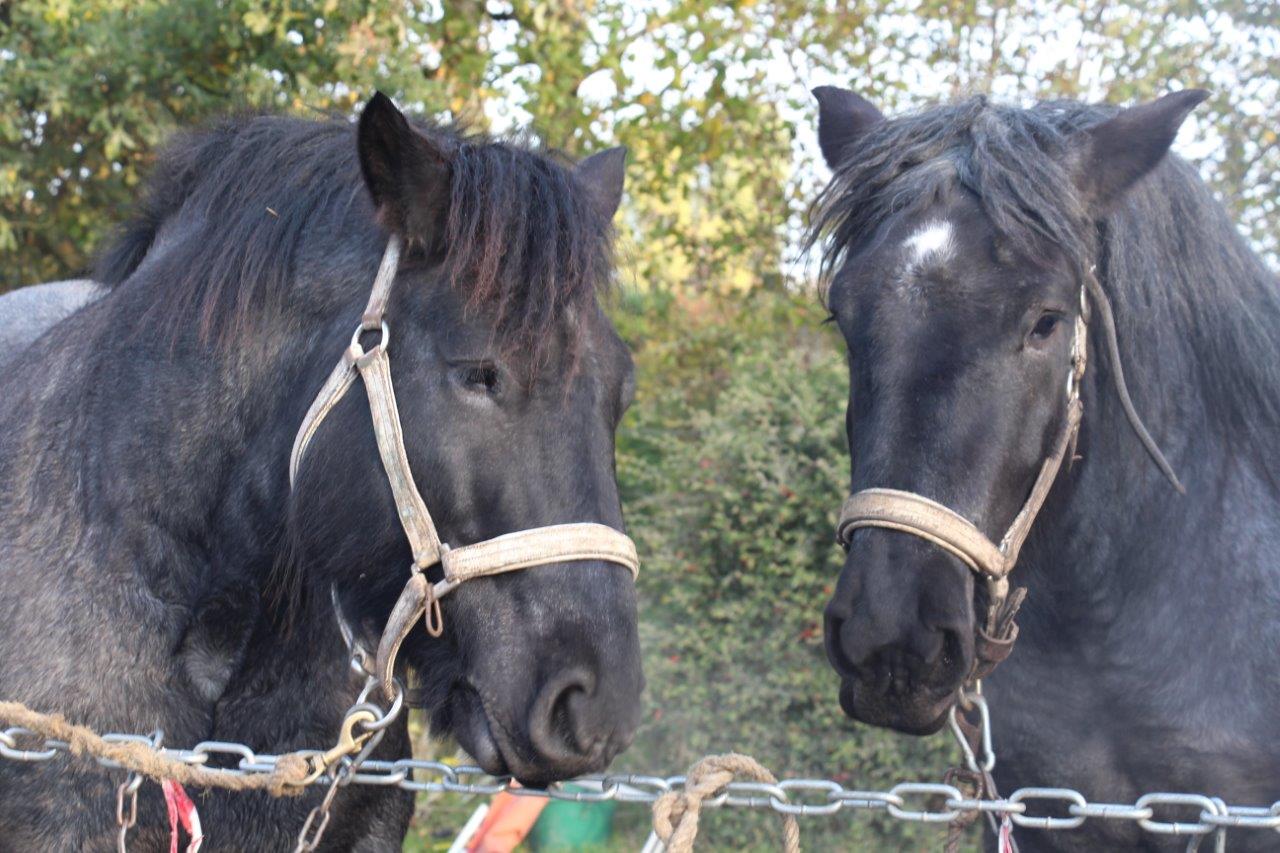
column 675, row 814
column 287, row 779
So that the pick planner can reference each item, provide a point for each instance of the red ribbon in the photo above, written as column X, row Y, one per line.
column 1006, row 835
column 182, row 812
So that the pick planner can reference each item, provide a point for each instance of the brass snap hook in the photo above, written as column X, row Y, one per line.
column 349, row 743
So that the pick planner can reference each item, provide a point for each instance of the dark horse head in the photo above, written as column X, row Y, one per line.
column 510, row 382
column 961, row 240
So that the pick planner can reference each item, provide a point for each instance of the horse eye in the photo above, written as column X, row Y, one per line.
column 481, row 378
column 1045, row 326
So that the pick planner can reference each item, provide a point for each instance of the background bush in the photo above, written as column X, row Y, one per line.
column 733, row 463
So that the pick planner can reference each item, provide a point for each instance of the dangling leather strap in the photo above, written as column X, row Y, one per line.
column 344, row 373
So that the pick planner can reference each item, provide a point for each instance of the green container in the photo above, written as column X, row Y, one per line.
column 566, row 826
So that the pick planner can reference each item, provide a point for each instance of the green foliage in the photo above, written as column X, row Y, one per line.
column 710, row 97
column 733, row 464
column 92, row 87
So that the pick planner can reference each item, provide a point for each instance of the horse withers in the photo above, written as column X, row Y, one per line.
column 975, row 253
column 159, row 571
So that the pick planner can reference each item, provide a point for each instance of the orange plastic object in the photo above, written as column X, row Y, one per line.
column 510, row 819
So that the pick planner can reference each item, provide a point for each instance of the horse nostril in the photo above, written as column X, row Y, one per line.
column 566, row 723
column 953, row 652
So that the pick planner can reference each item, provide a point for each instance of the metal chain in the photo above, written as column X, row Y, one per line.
column 318, row 820
column 126, row 818
column 978, row 750
column 804, row 797
column 351, row 751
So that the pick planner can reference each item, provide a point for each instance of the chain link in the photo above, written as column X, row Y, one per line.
column 1198, row 814
column 921, row 802
column 318, row 819
column 126, row 816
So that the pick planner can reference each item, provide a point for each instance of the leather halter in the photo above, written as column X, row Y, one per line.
column 908, row 512
column 523, row 549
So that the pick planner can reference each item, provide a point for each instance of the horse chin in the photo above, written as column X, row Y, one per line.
column 921, row 713
column 463, row 715
column 474, row 734
column 483, row 737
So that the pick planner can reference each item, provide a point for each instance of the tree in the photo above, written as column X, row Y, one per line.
column 92, row 87
column 711, row 97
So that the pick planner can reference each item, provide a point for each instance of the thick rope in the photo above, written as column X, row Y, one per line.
column 675, row 814
column 287, row 779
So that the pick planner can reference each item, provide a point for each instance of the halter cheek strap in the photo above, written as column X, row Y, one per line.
column 523, row 549
column 908, row 512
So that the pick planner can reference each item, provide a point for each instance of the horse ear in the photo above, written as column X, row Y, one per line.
column 603, row 174
column 843, row 117
column 1112, row 156
column 407, row 173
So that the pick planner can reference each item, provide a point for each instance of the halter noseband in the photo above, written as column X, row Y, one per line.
column 908, row 512
column 523, row 549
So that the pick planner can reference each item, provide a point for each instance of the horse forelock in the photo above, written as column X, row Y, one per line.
column 263, row 198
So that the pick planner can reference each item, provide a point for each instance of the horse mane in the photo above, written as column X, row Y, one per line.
column 1198, row 312
column 521, row 234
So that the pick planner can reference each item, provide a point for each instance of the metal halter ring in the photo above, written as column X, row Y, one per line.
column 387, row 717
column 361, row 329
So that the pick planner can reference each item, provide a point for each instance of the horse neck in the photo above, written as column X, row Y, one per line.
column 1198, row 317
column 188, row 439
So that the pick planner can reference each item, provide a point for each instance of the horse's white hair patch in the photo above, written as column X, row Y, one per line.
column 931, row 242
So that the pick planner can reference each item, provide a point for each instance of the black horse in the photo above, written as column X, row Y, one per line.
column 960, row 239
column 158, row 572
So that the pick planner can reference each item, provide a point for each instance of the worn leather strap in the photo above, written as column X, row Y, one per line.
column 1011, row 543
column 523, row 549
column 375, row 310
column 411, row 509
column 538, row 546
column 333, row 390
column 911, row 513
column 511, row 552
column 416, row 600
column 344, row 373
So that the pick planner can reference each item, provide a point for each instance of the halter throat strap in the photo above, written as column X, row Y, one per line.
column 523, row 549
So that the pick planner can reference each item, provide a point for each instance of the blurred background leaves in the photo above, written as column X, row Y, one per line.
column 711, row 97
